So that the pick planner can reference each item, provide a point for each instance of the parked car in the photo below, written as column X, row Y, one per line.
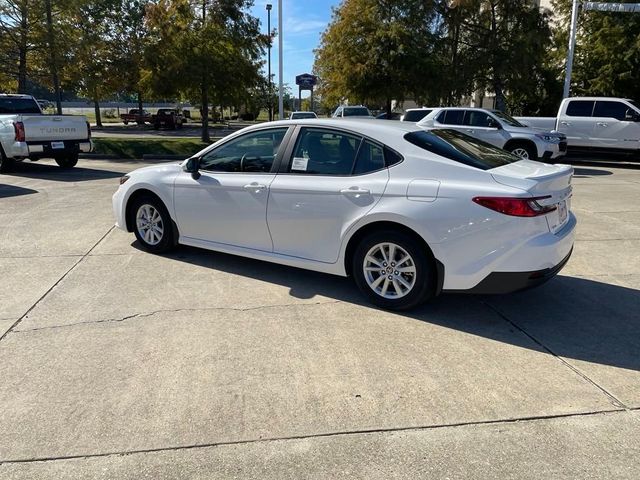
column 499, row 129
column 415, row 114
column 595, row 123
column 352, row 111
column 140, row 117
column 27, row 133
column 301, row 115
column 388, row 116
column 168, row 118
column 406, row 212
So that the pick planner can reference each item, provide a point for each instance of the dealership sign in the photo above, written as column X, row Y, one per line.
column 306, row 81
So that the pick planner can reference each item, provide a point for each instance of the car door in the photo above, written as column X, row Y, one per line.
column 577, row 123
column 483, row 126
column 331, row 178
column 612, row 128
column 227, row 203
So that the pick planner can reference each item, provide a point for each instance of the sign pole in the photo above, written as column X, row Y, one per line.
column 280, row 100
column 572, row 47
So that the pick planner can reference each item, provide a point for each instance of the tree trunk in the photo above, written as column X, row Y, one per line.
column 205, row 112
column 388, row 107
column 54, row 62
column 501, row 103
column 140, row 103
column 96, row 106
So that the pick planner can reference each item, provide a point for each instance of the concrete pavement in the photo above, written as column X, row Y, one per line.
column 118, row 364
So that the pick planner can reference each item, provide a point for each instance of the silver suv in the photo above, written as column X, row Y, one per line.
column 499, row 129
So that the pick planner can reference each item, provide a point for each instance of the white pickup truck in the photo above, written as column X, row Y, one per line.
column 25, row 132
column 595, row 123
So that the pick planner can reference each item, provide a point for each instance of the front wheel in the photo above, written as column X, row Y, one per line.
column 153, row 226
column 525, row 152
column 393, row 270
column 68, row 161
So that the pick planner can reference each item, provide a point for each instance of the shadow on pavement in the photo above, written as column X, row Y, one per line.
column 579, row 172
column 12, row 191
column 53, row 172
column 572, row 317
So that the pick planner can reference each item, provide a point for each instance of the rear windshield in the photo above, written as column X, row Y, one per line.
column 416, row 115
column 356, row 112
column 461, row 148
column 11, row 105
column 303, row 115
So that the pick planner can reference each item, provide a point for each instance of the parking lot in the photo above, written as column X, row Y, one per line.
column 115, row 363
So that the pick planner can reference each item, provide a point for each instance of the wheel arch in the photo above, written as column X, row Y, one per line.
column 142, row 192
column 378, row 225
column 525, row 142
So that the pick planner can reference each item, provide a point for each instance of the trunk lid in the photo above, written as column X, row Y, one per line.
column 40, row 128
column 541, row 180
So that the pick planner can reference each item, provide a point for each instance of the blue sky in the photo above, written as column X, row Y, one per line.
column 303, row 22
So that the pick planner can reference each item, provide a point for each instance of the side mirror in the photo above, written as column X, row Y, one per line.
column 492, row 123
column 632, row 116
column 193, row 167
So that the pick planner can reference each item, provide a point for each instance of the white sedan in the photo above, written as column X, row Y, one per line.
column 407, row 213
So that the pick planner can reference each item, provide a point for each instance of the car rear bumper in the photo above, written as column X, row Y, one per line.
column 509, row 282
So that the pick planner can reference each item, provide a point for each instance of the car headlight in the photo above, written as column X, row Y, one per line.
column 124, row 178
column 548, row 138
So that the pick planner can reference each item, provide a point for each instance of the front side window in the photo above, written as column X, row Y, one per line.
column 324, row 152
column 580, row 108
column 477, row 118
column 508, row 119
column 608, row 109
column 252, row 152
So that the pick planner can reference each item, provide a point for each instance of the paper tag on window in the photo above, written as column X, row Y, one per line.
column 299, row 164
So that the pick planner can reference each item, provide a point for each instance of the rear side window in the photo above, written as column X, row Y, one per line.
column 610, row 109
column 451, row 117
column 370, row 158
column 580, row 108
column 416, row 115
column 461, row 148
column 11, row 105
column 324, row 152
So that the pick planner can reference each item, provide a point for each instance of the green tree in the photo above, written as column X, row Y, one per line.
column 207, row 51
column 607, row 55
column 504, row 43
column 379, row 50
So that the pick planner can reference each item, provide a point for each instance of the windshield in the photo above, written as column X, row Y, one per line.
column 508, row 119
column 635, row 104
column 461, row 148
column 356, row 112
column 13, row 105
column 416, row 115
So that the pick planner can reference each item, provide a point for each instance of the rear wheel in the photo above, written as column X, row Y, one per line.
column 393, row 270
column 152, row 224
column 524, row 151
column 68, row 161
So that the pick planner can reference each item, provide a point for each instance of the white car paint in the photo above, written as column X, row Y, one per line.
column 307, row 221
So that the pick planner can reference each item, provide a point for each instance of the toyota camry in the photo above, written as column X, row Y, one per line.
column 407, row 213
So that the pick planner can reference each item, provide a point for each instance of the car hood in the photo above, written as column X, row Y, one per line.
column 157, row 170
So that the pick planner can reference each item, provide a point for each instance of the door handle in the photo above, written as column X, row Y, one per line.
column 356, row 192
column 602, row 124
column 567, row 124
column 255, row 187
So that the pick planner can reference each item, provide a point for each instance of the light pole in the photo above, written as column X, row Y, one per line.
column 572, row 47
column 269, row 59
column 280, row 102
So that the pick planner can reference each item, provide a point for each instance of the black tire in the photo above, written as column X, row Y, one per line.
column 423, row 285
column 168, row 239
column 126, row 122
column 527, row 147
column 156, row 126
column 6, row 164
column 68, row 161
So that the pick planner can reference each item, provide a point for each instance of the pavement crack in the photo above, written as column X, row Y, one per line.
column 343, row 433
column 175, row 310
column 612, row 398
column 55, row 284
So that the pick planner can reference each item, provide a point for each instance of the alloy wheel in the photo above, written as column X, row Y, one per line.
column 149, row 224
column 389, row 270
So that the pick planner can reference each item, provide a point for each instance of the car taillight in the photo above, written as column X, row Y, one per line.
column 88, row 130
column 18, row 128
column 517, row 207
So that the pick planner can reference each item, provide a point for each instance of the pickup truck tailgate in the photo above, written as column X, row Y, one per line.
column 40, row 128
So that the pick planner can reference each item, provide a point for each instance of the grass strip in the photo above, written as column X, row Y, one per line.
column 136, row 148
